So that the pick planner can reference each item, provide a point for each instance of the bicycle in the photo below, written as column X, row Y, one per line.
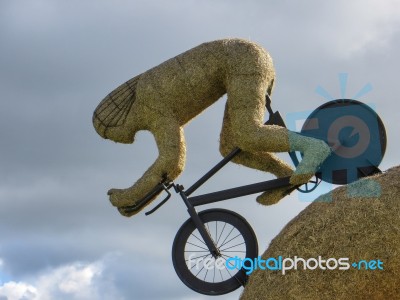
column 357, row 137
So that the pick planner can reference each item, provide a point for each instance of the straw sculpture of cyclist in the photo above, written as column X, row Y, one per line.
column 165, row 98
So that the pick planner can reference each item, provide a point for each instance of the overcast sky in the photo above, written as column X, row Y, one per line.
column 60, row 238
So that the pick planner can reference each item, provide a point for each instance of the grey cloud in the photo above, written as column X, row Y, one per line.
column 59, row 59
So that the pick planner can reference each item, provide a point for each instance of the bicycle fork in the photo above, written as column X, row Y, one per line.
column 199, row 223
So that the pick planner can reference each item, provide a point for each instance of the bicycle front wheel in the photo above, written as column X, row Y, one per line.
column 198, row 268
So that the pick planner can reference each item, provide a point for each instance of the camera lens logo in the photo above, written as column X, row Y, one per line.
column 359, row 132
column 351, row 128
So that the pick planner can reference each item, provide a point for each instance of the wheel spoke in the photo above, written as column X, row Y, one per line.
column 231, row 239
column 205, row 275
column 205, row 255
column 227, row 255
column 197, row 246
column 227, row 236
column 232, row 246
column 222, row 277
column 198, row 238
column 226, row 261
column 223, row 229
column 216, row 230
column 196, row 263
column 214, row 276
column 199, row 271
column 227, row 268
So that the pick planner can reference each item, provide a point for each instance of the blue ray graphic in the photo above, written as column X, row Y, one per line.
column 365, row 89
column 343, row 84
column 321, row 91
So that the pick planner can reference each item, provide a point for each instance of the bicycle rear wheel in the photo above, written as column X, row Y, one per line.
column 195, row 265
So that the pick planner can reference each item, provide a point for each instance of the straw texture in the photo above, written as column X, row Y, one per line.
column 362, row 223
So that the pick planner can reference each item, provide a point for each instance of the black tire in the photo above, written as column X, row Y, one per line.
column 232, row 234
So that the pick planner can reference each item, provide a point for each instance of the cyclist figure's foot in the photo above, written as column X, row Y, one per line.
column 273, row 196
column 315, row 152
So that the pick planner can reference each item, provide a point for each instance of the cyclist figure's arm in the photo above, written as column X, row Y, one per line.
column 169, row 163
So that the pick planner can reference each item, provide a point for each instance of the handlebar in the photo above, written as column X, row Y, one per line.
column 162, row 186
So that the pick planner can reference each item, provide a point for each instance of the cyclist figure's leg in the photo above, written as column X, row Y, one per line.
column 263, row 161
column 246, row 109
